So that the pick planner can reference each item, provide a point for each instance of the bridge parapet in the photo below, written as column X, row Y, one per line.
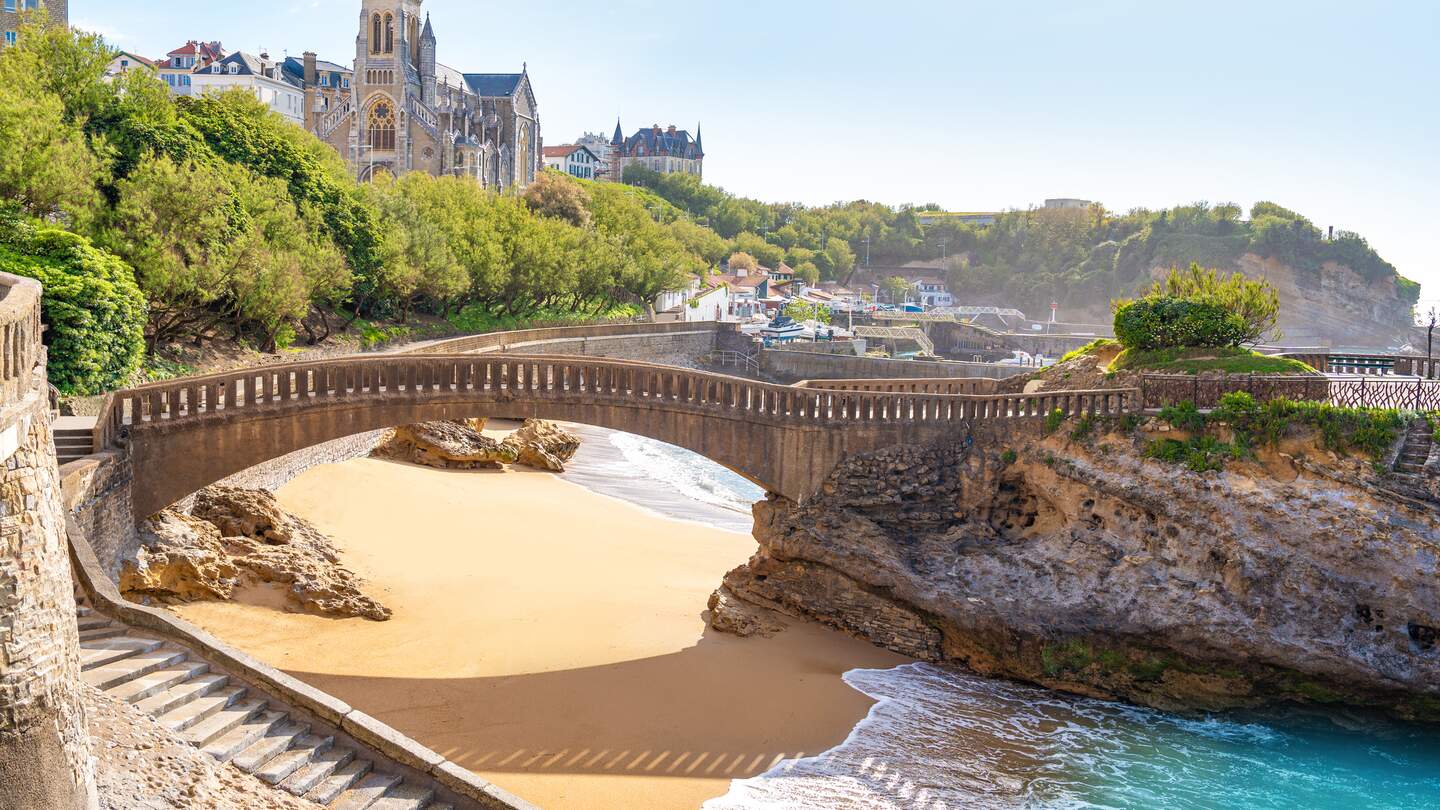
column 185, row 434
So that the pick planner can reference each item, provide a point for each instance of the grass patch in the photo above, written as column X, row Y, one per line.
column 1082, row 430
column 1194, row 361
column 1093, row 347
column 160, row 369
column 477, row 319
column 1053, row 420
column 1008, row 457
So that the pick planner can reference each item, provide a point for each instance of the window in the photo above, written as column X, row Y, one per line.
column 215, row 68
column 380, row 128
column 9, row 6
column 345, row 82
column 9, row 37
column 185, row 80
column 375, row 34
column 324, row 79
column 389, row 34
column 234, row 69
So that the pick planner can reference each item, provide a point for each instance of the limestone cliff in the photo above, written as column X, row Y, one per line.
column 1083, row 566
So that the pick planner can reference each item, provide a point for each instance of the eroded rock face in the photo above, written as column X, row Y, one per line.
column 240, row 537
column 447, row 445
column 460, row 445
column 543, row 445
column 1085, row 567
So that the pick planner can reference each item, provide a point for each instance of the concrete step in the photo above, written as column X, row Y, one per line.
column 79, row 440
column 223, row 722
column 82, row 610
column 227, row 745
column 197, row 710
column 112, row 675
column 109, row 631
column 320, row 767
column 404, row 797
column 341, row 780
column 305, row 748
column 275, row 742
column 182, row 693
column 366, row 792
column 157, row 681
column 92, row 622
column 104, row 651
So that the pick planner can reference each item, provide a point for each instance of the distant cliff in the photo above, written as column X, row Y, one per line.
column 1083, row 566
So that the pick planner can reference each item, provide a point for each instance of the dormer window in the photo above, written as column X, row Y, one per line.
column 234, row 69
column 215, row 68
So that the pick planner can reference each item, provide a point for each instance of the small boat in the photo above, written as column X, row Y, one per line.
column 782, row 328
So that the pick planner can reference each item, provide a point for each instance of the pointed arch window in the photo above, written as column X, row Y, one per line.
column 380, row 126
column 375, row 34
column 389, row 33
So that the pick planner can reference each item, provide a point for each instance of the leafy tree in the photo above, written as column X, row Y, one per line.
column 743, row 261
column 808, row 273
column 895, row 288
column 1255, row 303
column 554, row 194
column 93, row 312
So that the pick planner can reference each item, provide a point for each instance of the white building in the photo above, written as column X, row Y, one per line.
column 599, row 146
column 124, row 62
column 262, row 77
column 180, row 64
column 572, row 159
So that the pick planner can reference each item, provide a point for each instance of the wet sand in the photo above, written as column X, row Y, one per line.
column 551, row 639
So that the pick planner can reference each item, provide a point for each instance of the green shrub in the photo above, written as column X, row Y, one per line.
column 1088, row 349
column 1053, row 420
column 1008, row 457
column 1163, row 322
column 1082, row 430
column 1183, row 416
column 93, row 311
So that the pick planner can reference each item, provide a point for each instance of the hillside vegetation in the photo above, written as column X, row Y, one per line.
column 1081, row 258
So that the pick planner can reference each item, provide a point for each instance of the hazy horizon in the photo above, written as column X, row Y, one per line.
column 973, row 107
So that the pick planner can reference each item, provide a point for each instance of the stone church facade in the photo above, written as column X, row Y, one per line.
column 406, row 112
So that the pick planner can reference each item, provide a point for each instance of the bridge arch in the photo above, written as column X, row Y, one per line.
column 184, row 435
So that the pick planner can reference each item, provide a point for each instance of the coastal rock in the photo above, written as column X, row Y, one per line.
column 447, row 445
column 1084, row 566
column 243, row 537
column 731, row 615
column 542, row 445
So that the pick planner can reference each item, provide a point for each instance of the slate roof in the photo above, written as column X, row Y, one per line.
column 294, row 68
column 494, row 85
column 649, row 142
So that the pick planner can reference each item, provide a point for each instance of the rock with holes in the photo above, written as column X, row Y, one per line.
column 1084, row 565
column 542, row 445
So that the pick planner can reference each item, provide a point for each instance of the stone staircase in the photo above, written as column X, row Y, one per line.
column 232, row 724
column 1416, row 449
column 73, row 439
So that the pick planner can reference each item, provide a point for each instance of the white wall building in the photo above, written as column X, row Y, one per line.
column 260, row 76
column 572, row 159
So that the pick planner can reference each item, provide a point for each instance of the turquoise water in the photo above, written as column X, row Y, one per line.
column 940, row 739
column 945, row 740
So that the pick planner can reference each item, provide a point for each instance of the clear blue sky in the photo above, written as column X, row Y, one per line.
column 1329, row 108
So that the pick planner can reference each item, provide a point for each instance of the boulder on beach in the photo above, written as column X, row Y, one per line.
column 460, row 445
column 543, row 445
column 239, row 537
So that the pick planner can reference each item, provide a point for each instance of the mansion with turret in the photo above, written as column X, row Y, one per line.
column 407, row 112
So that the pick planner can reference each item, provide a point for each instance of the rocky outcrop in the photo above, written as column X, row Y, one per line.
column 446, row 445
column 543, row 445
column 460, row 445
column 1084, row 566
column 239, row 537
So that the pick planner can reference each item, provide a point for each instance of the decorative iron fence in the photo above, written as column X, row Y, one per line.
column 1160, row 390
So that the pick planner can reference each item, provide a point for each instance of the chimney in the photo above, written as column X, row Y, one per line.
column 310, row 82
column 1332, row 233
column 671, row 130
column 655, row 128
column 265, row 65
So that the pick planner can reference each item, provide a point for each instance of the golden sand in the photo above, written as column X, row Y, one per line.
column 551, row 639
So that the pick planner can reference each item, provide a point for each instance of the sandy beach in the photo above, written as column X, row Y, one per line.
column 551, row 638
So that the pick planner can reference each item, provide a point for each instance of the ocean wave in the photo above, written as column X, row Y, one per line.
column 693, row 476
column 940, row 739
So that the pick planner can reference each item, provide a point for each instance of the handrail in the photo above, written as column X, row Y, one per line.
column 598, row 381
column 912, row 385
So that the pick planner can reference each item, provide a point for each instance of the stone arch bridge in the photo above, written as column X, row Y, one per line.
column 187, row 434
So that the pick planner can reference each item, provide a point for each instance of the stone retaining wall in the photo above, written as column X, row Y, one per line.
column 44, row 744
column 792, row 366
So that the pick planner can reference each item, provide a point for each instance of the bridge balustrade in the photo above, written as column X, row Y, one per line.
column 604, row 382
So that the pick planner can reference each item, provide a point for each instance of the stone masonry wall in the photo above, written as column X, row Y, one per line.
column 44, row 746
column 97, row 504
column 794, row 366
column 681, row 349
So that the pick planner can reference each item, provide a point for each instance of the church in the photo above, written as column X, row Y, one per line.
column 406, row 112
